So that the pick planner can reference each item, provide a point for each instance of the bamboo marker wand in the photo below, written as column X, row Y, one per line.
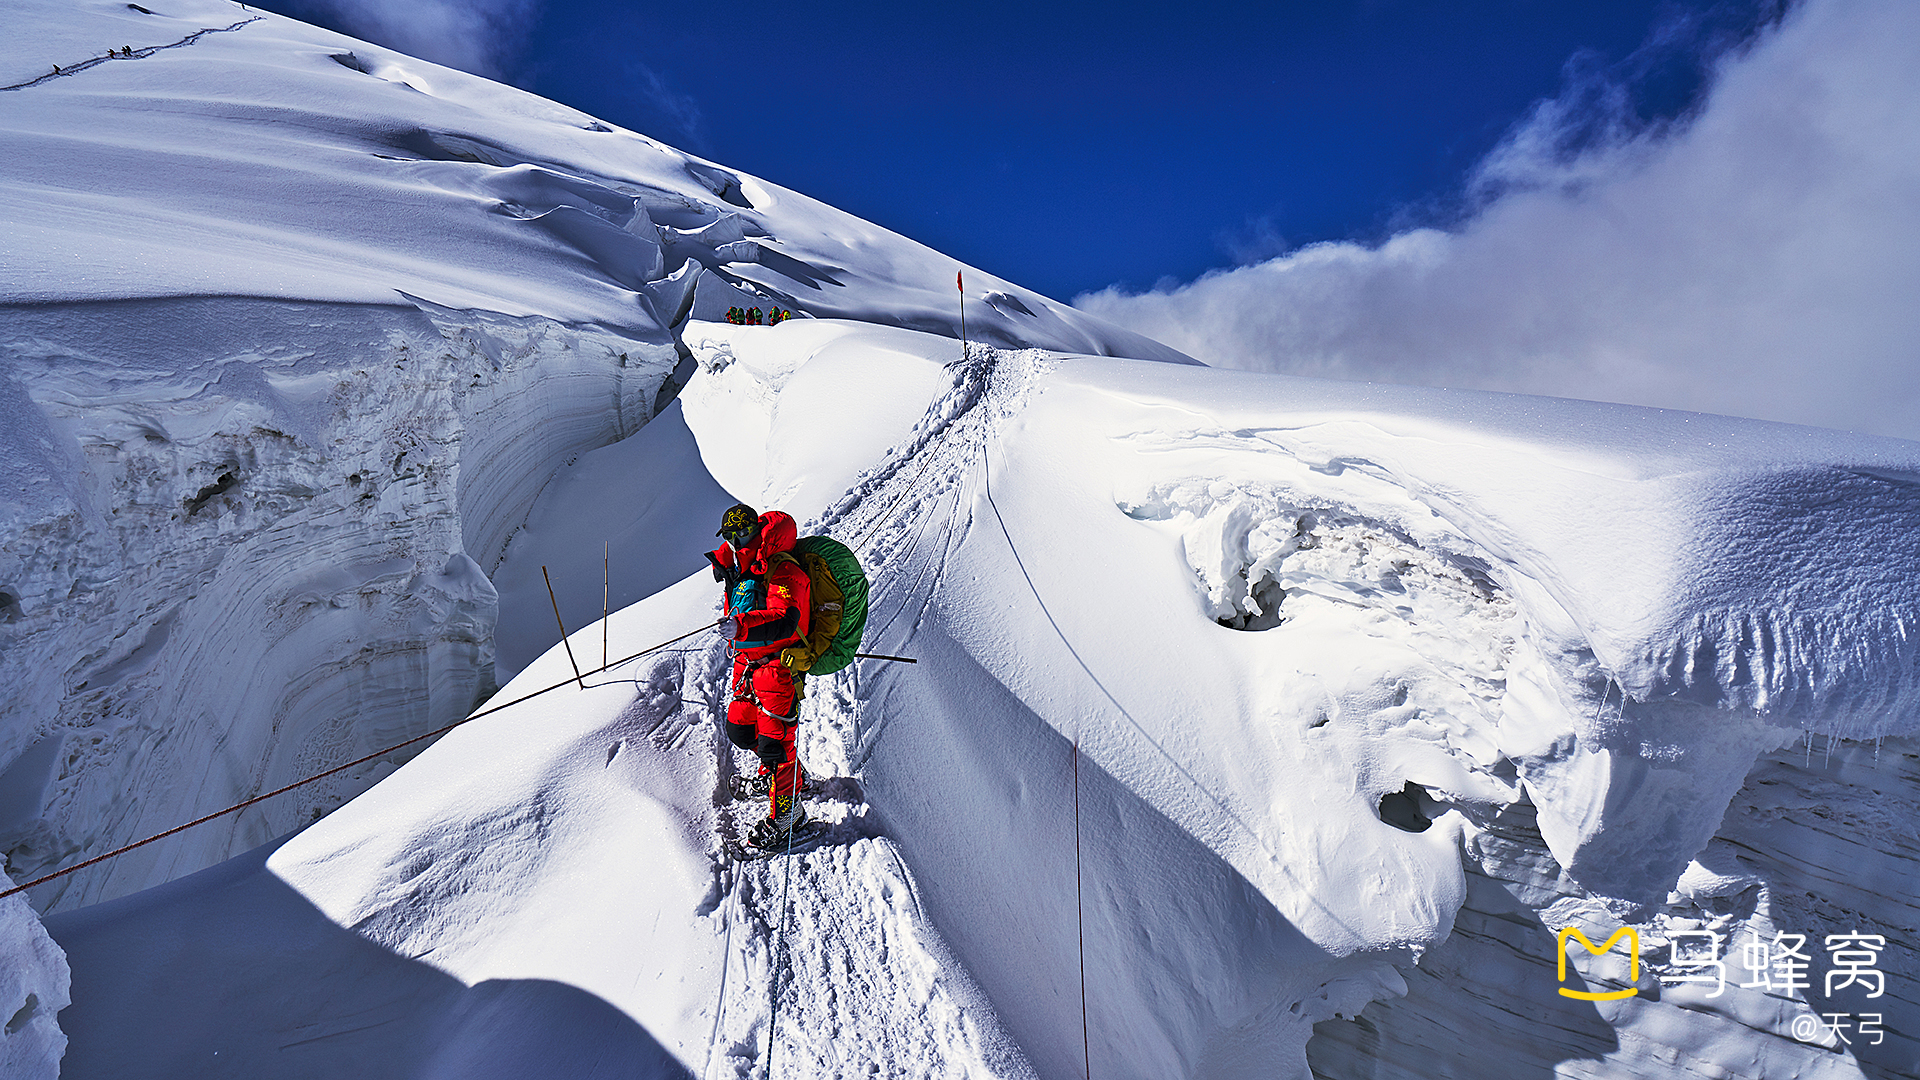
column 606, row 564
column 563, row 631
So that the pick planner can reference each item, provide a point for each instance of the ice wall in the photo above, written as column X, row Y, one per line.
column 252, row 543
column 1815, row 843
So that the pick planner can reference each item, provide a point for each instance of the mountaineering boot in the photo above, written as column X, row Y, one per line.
column 753, row 787
column 772, row 834
column 758, row 785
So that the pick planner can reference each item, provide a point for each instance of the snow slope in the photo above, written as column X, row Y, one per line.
column 295, row 332
column 1258, row 606
column 242, row 153
column 1260, row 725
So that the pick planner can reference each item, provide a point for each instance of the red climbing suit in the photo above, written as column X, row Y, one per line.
column 764, row 713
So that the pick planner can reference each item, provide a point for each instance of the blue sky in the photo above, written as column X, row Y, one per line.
column 1694, row 204
column 1071, row 147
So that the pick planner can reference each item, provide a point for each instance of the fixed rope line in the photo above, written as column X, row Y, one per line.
column 237, row 807
column 1079, row 891
column 720, row 1009
column 1080, row 912
column 779, row 940
column 926, row 459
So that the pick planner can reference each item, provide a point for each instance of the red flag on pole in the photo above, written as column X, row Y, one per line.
column 960, row 285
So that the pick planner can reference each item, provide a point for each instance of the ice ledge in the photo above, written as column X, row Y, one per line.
column 1797, row 597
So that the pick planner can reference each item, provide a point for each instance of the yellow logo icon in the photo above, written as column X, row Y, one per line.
column 1633, row 963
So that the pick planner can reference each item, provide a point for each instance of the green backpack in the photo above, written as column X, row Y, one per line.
column 839, row 589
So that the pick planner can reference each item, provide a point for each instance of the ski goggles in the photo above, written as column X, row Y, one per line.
column 739, row 527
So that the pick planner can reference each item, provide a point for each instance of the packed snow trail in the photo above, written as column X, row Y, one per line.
column 901, row 496
column 141, row 53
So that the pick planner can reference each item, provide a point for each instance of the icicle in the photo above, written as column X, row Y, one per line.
column 1808, row 763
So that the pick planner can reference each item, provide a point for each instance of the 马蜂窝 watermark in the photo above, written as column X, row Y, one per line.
column 1633, row 966
column 1783, row 965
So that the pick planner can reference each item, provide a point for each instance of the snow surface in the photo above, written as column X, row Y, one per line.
column 296, row 332
column 1058, row 540
column 268, row 158
column 33, row 990
column 1259, row 724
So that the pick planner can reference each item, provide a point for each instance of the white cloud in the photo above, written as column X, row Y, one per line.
column 479, row 36
column 1763, row 260
column 677, row 115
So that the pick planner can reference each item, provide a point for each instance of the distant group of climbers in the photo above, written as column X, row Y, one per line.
column 793, row 606
column 755, row 317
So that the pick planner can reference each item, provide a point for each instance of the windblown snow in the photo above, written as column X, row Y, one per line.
column 1257, row 725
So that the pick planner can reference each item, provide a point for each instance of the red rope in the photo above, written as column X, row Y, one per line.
column 237, row 807
column 1086, row 1047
